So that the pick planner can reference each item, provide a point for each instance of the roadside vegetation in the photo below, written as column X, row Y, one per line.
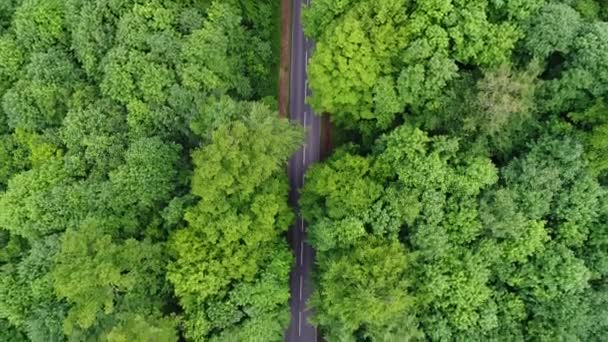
column 143, row 192
column 142, row 187
column 466, row 199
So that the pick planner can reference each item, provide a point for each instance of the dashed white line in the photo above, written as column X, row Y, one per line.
column 301, row 253
column 304, row 148
column 307, row 2
column 300, row 323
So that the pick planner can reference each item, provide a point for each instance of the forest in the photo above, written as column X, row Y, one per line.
column 143, row 184
column 466, row 198
column 142, row 189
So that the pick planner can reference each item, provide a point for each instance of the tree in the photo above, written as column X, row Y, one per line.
column 29, row 303
column 97, row 103
column 365, row 292
column 553, row 30
column 27, row 205
column 404, row 194
column 110, row 285
column 222, row 70
column 578, row 84
column 39, row 100
column 499, row 208
column 7, row 8
column 12, row 59
column 40, row 24
column 375, row 61
column 482, row 256
column 148, row 175
column 230, row 264
column 503, row 98
column 346, row 67
column 95, row 137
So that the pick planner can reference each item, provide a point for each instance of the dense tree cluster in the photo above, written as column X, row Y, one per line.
column 141, row 192
column 231, row 261
column 469, row 201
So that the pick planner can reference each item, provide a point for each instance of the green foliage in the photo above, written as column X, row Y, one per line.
column 481, row 257
column 148, row 176
column 7, row 9
column 403, row 189
column 552, row 184
column 28, row 299
column 581, row 74
column 347, row 67
column 375, row 60
column 28, row 206
column 143, row 194
column 503, row 97
column 498, row 214
column 95, row 137
column 365, row 292
column 40, row 98
column 9, row 333
column 102, row 102
column 231, row 262
column 110, row 285
column 14, row 157
column 40, row 24
column 485, row 108
column 553, row 30
column 212, row 43
column 591, row 9
column 11, row 60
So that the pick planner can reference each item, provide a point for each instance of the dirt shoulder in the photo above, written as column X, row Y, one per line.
column 285, row 58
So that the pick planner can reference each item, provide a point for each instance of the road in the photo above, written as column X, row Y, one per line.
column 300, row 279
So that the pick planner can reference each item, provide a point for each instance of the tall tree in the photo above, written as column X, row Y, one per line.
column 231, row 263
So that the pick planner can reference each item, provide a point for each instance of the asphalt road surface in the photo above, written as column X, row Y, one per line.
column 300, row 280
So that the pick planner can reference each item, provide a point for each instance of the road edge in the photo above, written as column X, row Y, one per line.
column 285, row 59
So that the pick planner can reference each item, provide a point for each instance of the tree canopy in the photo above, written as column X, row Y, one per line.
column 143, row 187
column 466, row 197
column 138, row 143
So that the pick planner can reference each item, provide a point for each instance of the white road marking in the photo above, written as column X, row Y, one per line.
column 307, row 2
column 304, row 149
column 301, row 253
column 300, row 323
